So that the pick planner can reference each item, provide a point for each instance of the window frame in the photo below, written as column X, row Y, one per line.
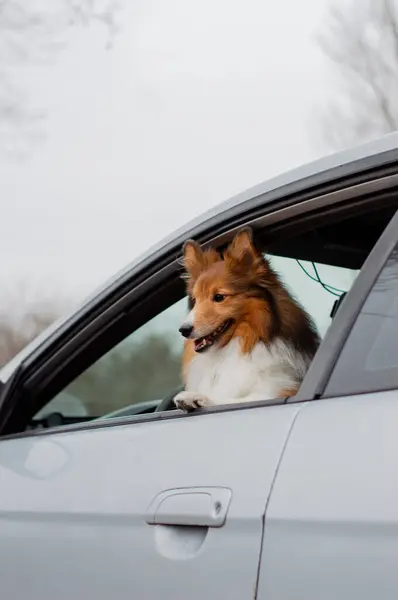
column 276, row 216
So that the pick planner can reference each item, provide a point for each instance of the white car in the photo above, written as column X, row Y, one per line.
column 114, row 494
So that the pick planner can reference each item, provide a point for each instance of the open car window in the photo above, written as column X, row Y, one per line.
column 145, row 367
column 128, row 360
column 315, row 285
column 140, row 370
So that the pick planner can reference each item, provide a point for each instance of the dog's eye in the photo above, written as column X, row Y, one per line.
column 191, row 302
column 218, row 297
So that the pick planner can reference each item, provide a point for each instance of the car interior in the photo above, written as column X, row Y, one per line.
column 342, row 236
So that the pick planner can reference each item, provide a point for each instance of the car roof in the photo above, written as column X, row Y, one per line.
column 377, row 152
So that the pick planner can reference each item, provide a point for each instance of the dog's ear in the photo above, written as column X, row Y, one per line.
column 193, row 258
column 197, row 260
column 241, row 256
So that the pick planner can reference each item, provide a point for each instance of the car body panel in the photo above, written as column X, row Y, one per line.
column 334, row 167
column 73, row 507
column 332, row 520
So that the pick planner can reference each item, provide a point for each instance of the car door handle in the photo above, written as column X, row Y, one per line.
column 199, row 506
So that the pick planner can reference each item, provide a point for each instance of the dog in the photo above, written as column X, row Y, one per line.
column 247, row 338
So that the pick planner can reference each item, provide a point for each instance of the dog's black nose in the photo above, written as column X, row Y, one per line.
column 186, row 329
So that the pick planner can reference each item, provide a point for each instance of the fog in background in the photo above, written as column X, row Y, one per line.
column 192, row 103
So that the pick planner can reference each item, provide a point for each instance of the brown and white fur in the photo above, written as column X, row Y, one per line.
column 247, row 338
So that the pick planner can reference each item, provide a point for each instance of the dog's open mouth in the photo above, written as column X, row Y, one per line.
column 207, row 341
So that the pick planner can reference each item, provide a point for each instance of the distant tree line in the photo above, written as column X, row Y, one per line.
column 138, row 369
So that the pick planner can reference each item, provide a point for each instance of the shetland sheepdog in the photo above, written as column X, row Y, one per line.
column 247, row 338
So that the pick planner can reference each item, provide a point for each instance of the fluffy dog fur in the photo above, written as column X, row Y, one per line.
column 248, row 339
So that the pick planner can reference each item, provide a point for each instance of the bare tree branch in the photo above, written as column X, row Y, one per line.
column 361, row 40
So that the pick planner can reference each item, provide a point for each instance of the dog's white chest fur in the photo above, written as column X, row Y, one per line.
column 226, row 375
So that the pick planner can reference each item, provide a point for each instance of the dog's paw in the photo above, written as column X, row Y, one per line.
column 189, row 401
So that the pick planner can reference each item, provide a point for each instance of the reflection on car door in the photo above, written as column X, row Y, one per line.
column 155, row 509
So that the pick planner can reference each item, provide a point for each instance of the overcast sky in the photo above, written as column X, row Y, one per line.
column 195, row 102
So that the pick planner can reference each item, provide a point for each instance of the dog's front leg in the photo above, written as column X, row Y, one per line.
column 189, row 401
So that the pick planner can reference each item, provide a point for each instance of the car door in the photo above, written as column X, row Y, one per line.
column 332, row 521
column 164, row 506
